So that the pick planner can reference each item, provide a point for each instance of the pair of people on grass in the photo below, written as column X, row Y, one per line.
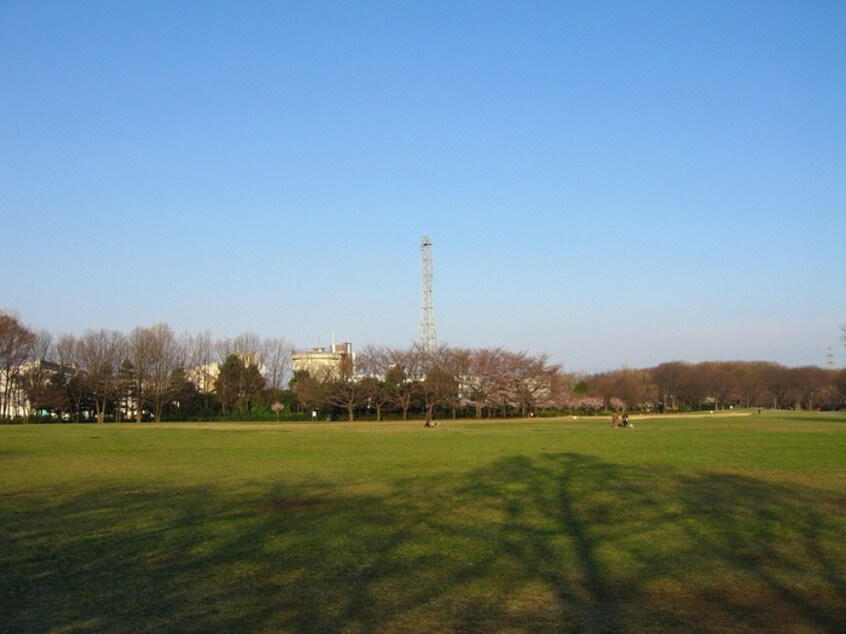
column 615, row 421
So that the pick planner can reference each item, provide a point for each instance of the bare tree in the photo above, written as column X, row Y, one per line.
column 632, row 386
column 43, row 349
column 455, row 363
column 308, row 390
column 222, row 349
column 559, row 392
column 373, row 364
column 484, row 384
column 839, row 383
column 36, row 378
column 531, row 378
column 277, row 362
column 139, row 350
column 437, row 389
column 67, row 355
column 343, row 390
column 439, row 385
column 16, row 346
column 101, row 353
column 248, row 345
column 403, row 376
column 777, row 381
column 251, row 348
column 669, row 378
column 809, row 386
column 65, row 349
column 372, row 360
column 200, row 361
column 166, row 354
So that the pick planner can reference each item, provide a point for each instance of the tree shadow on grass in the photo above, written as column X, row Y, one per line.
column 553, row 543
column 651, row 550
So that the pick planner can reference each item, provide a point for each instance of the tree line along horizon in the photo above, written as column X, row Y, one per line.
column 152, row 373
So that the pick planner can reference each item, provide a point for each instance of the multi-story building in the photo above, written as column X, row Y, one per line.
column 335, row 363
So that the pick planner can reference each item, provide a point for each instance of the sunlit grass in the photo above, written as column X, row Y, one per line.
column 699, row 524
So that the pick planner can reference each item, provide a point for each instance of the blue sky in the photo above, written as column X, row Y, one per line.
column 612, row 183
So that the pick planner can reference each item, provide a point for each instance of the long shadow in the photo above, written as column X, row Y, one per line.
column 550, row 543
column 780, row 539
column 746, row 553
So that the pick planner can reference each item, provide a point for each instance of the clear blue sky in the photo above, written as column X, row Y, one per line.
column 614, row 183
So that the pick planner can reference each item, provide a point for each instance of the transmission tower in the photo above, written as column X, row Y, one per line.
column 428, row 340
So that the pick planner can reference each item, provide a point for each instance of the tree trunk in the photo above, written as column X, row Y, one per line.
column 139, row 401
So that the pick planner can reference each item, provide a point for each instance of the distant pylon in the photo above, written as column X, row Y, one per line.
column 427, row 338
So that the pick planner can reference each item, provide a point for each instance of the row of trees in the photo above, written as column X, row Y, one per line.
column 719, row 385
column 496, row 382
column 449, row 381
column 152, row 373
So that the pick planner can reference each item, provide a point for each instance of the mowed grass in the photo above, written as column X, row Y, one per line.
column 705, row 524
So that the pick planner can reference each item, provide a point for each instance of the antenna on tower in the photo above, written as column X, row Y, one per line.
column 428, row 339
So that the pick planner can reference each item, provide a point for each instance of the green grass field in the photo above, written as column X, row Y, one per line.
column 707, row 524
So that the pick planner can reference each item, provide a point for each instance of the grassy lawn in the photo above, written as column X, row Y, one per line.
column 708, row 524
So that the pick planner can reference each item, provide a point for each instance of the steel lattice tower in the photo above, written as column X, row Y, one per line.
column 428, row 339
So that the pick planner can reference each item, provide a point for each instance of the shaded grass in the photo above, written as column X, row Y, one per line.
column 544, row 526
